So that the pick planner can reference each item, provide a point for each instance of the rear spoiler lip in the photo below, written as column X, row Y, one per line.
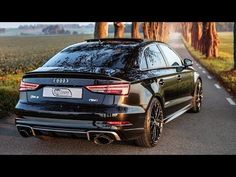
column 64, row 72
column 68, row 74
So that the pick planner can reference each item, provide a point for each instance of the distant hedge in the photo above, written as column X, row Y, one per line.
column 224, row 26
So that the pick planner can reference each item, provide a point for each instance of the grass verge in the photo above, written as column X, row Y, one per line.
column 9, row 93
column 221, row 67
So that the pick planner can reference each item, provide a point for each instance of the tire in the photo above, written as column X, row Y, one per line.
column 153, row 125
column 197, row 97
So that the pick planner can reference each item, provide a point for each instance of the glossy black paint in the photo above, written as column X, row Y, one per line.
column 172, row 85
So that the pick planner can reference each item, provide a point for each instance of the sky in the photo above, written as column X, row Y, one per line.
column 16, row 24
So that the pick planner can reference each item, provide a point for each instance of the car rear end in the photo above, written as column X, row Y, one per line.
column 84, row 101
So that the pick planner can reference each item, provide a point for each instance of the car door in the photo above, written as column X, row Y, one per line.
column 184, row 76
column 165, row 78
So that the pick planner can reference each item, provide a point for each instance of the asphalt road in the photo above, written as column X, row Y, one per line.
column 212, row 131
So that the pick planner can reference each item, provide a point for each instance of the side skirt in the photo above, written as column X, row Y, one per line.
column 177, row 113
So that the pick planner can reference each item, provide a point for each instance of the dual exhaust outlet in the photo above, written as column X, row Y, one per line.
column 101, row 138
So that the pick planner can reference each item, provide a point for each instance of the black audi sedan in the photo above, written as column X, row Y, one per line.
column 108, row 90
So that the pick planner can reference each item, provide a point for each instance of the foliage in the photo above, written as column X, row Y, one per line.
column 8, row 97
column 9, row 93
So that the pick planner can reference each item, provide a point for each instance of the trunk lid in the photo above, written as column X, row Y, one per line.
column 68, row 86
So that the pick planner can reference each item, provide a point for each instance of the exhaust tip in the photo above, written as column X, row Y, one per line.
column 102, row 139
column 25, row 133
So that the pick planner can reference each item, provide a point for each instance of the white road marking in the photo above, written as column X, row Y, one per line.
column 209, row 77
column 197, row 64
column 217, row 86
column 231, row 101
column 204, row 72
column 200, row 67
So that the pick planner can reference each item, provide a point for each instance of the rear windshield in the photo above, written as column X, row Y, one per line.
column 93, row 55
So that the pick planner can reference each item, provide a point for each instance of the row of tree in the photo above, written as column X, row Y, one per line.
column 55, row 29
column 158, row 31
column 202, row 36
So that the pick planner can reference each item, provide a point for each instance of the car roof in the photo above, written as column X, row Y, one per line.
column 134, row 42
column 138, row 41
column 116, row 40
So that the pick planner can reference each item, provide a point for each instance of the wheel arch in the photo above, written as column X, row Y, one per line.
column 159, row 97
column 196, row 78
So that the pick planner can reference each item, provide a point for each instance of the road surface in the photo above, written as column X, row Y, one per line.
column 212, row 131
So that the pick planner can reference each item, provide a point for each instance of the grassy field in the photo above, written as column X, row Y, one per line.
column 22, row 54
column 221, row 67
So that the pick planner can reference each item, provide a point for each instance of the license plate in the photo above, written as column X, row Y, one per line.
column 62, row 92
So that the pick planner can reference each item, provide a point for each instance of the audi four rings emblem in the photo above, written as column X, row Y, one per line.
column 60, row 80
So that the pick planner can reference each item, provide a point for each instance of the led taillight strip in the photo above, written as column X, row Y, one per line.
column 118, row 123
column 28, row 86
column 117, row 89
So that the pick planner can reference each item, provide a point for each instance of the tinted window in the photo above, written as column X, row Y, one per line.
column 154, row 57
column 171, row 56
column 143, row 63
column 94, row 55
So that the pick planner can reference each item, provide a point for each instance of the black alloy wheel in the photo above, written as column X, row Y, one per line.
column 153, row 125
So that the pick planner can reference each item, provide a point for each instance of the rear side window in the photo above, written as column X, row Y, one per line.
column 154, row 57
column 171, row 56
column 143, row 63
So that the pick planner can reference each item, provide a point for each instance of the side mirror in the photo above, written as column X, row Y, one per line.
column 188, row 62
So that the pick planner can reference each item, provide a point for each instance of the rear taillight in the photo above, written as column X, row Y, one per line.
column 116, row 89
column 28, row 86
column 118, row 123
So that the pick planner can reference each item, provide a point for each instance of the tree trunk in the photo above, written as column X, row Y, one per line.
column 135, row 30
column 234, row 46
column 154, row 28
column 186, row 28
column 184, row 32
column 146, row 30
column 196, row 34
column 215, row 40
column 189, row 28
column 210, row 40
column 166, row 32
column 151, row 30
column 161, row 31
column 158, row 31
column 101, row 30
column 119, row 29
column 199, row 35
column 203, row 40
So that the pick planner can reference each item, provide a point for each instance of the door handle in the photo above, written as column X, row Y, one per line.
column 179, row 77
column 161, row 82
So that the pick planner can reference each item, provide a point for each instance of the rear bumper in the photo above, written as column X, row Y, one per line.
column 79, row 128
column 44, row 118
column 88, row 134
